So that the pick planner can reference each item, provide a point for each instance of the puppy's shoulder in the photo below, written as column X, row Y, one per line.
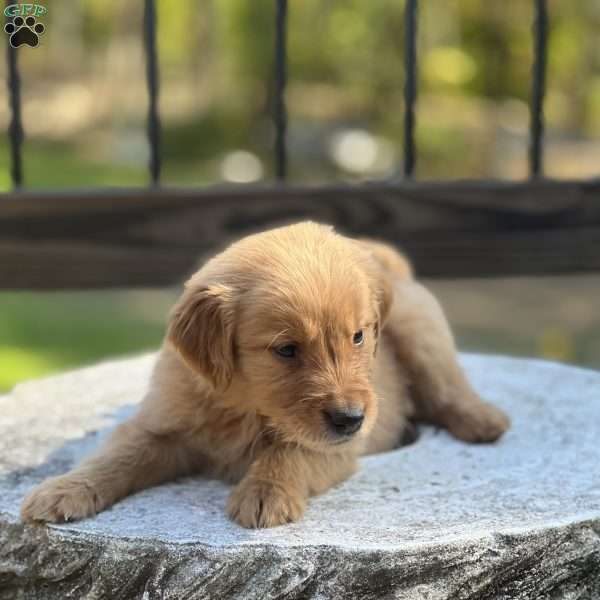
column 174, row 395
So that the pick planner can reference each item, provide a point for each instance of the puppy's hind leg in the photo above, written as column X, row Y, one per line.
column 424, row 344
column 132, row 459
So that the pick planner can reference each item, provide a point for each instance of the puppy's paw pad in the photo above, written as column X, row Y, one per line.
column 480, row 423
column 256, row 504
column 58, row 500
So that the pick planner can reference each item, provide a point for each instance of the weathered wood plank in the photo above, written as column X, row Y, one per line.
column 141, row 237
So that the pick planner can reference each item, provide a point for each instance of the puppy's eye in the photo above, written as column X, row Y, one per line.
column 358, row 338
column 287, row 351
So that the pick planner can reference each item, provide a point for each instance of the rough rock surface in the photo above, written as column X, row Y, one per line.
column 439, row 519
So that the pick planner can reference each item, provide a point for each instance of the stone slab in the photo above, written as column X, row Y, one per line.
column 439, row 519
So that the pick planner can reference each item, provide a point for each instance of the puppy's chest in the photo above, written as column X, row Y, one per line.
column 230, row 440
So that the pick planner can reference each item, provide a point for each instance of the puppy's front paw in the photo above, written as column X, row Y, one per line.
column 477, row 423
column 60, row 499
column 255, row 504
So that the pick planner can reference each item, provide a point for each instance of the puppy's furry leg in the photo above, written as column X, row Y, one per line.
column 425, row 347
column 132, row 459
column 279, row 482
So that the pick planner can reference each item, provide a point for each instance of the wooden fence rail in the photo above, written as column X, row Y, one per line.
column 155, row 237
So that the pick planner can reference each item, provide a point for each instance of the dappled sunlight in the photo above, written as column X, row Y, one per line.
column 19, row 364
column 241, row 167
column 556, row 344
column 448, row 65
column 357, row 151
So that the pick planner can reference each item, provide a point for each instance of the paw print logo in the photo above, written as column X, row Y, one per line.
column 24, row 31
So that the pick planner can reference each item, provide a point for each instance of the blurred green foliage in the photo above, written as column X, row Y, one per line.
column 345, row 70
column 48, row 163
column 44, row 333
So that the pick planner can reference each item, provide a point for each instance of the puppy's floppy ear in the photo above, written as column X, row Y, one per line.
column 380, row 284
column 383, row 294
column 383, row 265
column 201, row 327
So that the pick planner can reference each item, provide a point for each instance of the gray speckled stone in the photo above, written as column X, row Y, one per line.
column 440, row 519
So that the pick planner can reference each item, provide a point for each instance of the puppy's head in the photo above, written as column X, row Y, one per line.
column 285, row 323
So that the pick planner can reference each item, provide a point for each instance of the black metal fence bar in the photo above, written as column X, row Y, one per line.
column 538, row 86
column 279, row 114
column 152, row 80
column 15, row 127
column 410, row 85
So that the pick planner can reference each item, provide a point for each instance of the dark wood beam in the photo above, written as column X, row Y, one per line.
column 155, row 237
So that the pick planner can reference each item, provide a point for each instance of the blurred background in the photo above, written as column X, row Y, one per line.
column 84, row 110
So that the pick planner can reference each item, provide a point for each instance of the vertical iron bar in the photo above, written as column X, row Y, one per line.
column 280, row 115
column 15, row 127
column 152, row 80
column 410, row 85
column 538, row 88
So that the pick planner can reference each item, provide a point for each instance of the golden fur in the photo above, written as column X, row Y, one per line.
column 222, row 402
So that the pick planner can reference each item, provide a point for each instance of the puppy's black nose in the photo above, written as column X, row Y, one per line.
column 345, row 422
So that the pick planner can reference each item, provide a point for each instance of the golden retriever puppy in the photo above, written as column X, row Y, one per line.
column 288, row 356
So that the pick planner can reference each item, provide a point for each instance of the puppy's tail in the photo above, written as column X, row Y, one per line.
column 390, row 259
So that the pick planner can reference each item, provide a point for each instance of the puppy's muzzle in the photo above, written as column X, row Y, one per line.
column 344, row 422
